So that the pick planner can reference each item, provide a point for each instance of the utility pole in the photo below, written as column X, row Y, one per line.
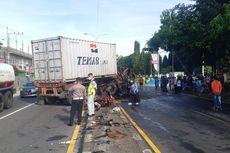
column 7, row 37
column 22, row 46
column 173, row 63
column 8, row 44
column 151, row 67
column 16, row 41
column 158, row 74
column 203, row 64
column 28, row 48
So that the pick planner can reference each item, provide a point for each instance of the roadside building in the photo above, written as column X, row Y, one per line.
column 20, row 59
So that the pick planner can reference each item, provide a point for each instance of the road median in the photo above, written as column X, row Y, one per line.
column 109, row 131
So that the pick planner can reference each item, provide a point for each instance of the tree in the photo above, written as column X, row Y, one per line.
column 136, row 47
column 195, row 33
column 125, row 62
column 220, row 38
column 165, row 62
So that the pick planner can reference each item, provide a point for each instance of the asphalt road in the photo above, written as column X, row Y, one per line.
column 31, row 128
column 181, row 123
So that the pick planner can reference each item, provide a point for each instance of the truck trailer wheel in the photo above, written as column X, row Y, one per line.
column 1, row 102
column 112, row 88
column 50, row 100
column 8, row 99
column 40, row 100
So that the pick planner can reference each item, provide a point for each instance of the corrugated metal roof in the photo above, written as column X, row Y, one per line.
column 17, row 52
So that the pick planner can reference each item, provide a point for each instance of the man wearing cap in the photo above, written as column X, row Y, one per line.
column 133, row 93
column 79, row 96
column 91, row 94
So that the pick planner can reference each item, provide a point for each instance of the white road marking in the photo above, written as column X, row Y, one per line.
column 16, row 111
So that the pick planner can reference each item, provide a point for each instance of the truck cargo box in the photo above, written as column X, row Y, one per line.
column 63, row 59
column 7, row 76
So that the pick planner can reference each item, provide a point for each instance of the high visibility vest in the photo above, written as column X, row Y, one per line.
column 91, row 89
column 216, row 87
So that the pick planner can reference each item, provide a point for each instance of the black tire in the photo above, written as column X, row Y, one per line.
column 112, row 88
column 8, row 99
column 21, row 94
column 1, row 102
column 50, row 100
column 40, row 100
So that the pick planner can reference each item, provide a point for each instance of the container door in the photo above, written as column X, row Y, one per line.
column 47, row 60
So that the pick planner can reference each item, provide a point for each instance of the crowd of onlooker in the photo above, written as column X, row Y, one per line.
column 196, row 83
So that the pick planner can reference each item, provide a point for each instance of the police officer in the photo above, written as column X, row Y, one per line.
column 79, row 96
column 91, row 94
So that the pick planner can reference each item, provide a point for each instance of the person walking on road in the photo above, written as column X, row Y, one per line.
column 164, row 83
column 157, row 82
column 134, row 95
column 91, row 94
column 216, row 90
column 79, row 96
column 178, row 85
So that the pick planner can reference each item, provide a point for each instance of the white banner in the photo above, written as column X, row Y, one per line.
column 155, row 61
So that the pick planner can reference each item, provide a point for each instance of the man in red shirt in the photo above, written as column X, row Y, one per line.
column 216, row 90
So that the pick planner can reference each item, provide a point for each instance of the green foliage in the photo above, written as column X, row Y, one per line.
column 166, row 70
column 207, row 69
column 138, row 62
column 226, row 86
column 16, row 70
column 137, row 47
column 195, row 33
column 124, row 61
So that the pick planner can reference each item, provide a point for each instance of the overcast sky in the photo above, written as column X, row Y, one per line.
column 116, row 21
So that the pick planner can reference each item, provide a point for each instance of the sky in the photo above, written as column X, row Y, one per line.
column 113, row 21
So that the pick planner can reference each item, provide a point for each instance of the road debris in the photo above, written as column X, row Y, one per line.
column 116, row 110
column 57, row 137
column 88, row 138
column 116, row 135
column 147, row 151
column 100, row 151
column 65, row 142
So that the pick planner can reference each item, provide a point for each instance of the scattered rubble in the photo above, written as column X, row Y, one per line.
column 147, row 151
column 110, row 130
column 100, row 151
column 116, row 134
column 116, row 109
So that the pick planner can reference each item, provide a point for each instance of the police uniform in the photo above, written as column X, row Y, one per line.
column 91, row 94
column 79, row 95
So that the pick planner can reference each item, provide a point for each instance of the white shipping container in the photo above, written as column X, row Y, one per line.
column 63, row 59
